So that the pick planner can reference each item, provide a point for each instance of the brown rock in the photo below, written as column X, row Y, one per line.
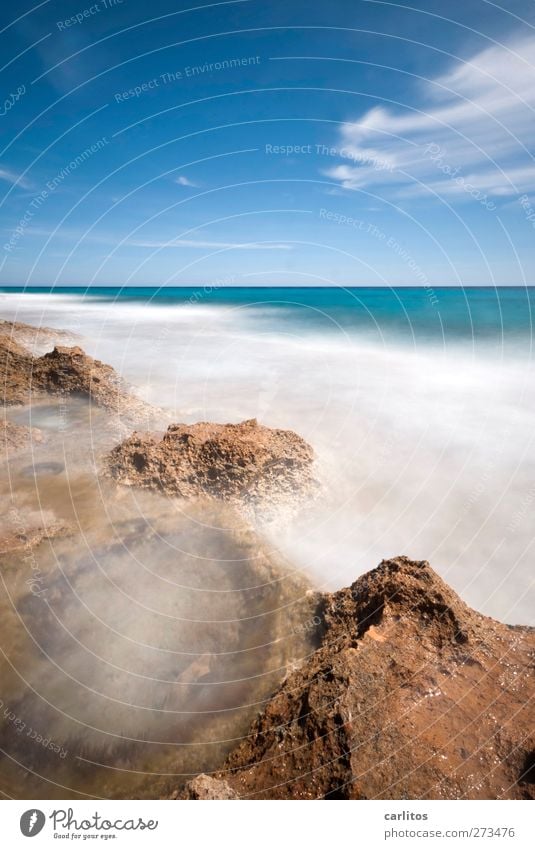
column 411, row 695
column 36, row 340
column 14, row 437
column 64, row 371
column 71, row 371
column 232, row 462
column 15, row 371
column 205, row 787
column 22, row 531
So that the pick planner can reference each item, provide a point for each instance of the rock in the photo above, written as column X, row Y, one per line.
column 411, row 695
column 71, row 371
column 244, row 462
column 15, row 372
column 14, row 437
column 201, row 610
column 21, row 531
column 64, row 372
column 205, row 787
column 36, row 340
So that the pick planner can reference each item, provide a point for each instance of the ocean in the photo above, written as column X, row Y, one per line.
column 419, row 404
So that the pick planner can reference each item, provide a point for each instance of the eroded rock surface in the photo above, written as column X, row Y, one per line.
column 25, row 530
column 15, row 437
column 36, row 339
column 15, row 371
column 411, row 695
column 205, row 787
column 71, row 371
column 64, row 371
column 244, row 462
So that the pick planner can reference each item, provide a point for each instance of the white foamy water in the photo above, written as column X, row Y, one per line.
column 425, row 450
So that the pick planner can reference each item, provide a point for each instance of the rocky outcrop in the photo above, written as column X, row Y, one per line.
column 245, row 463
column 411, row 695
column 36, row 340
column 70, row 371
column 64, row 372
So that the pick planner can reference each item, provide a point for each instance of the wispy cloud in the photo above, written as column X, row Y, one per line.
column 472, row 126
column 156, row 244
column 13, row 179
column 194, row 243
column 184, row 181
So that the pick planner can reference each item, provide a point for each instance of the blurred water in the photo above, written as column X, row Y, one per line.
column 419, row 405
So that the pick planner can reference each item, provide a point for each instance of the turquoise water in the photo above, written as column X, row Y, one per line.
column 418, row 403
column 439, row 313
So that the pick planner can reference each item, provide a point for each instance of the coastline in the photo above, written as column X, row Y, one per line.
column 399, row 637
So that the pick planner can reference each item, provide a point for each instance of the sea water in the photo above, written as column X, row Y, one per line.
column 137, row 649
column 418, row 403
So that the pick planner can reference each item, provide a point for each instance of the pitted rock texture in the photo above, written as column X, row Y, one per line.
column 65, row 372
column 243, row 462
column 411, row 695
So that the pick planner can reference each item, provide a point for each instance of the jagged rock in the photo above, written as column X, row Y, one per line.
column 411, row 695
column 243, row 462
column 71, row 371
column 64, row 372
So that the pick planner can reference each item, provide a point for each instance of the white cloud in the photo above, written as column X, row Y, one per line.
column 193, row 243
column 474, row 123
column 184, row 181
column 156, row 244
column 13, row 179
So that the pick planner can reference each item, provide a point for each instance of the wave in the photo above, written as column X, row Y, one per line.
column 425, row 444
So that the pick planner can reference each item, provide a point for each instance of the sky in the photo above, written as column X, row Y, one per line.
column 267, row 142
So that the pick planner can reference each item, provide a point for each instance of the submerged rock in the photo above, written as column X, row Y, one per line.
column 411, row 695
column 150, row 641
column 245, row 462
column 22, row 530
column 15, row 437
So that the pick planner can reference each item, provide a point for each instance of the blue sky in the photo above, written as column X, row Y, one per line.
column 349, row 142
